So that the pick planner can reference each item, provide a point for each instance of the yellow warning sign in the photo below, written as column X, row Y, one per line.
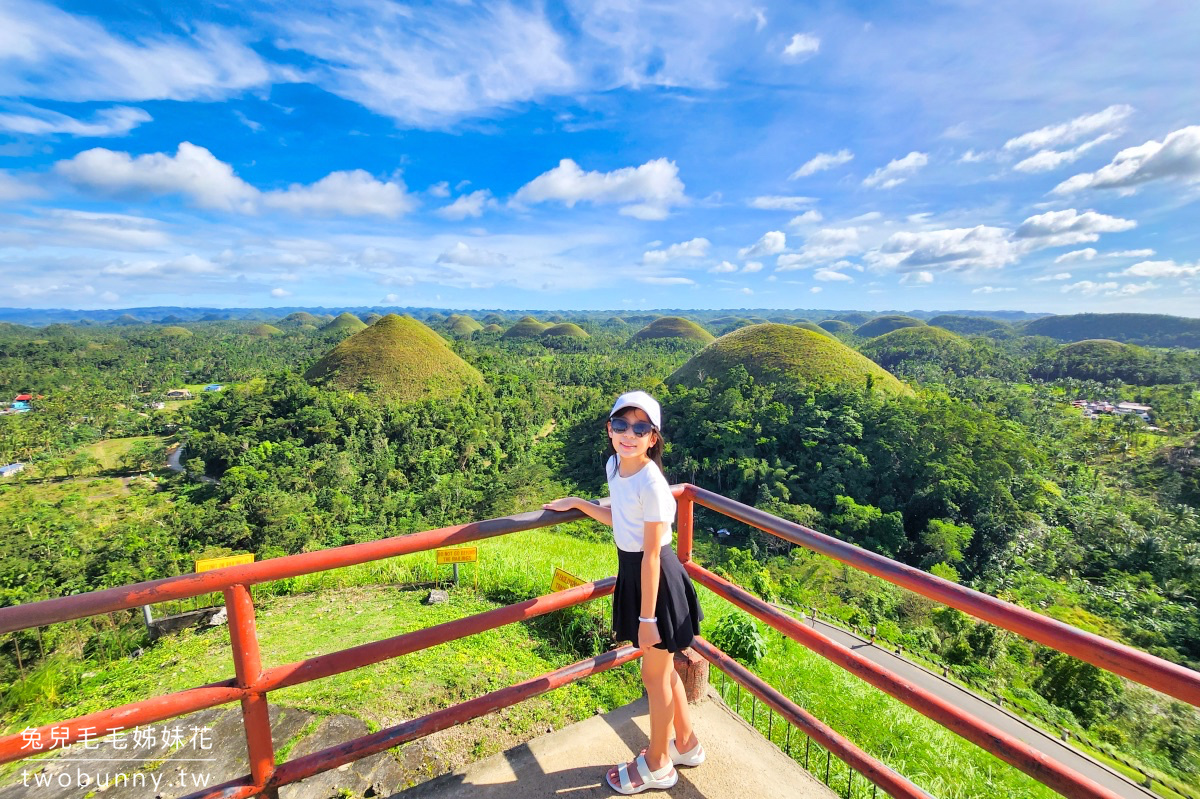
column 564, row 580
column 208, row 564
column 458, row 555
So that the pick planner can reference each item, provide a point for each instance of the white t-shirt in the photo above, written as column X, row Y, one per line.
column 642, row 497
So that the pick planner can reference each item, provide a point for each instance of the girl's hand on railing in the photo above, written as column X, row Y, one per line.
column 566, row 503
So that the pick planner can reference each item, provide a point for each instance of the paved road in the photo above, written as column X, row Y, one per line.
column 174, row 465
column 989, row 712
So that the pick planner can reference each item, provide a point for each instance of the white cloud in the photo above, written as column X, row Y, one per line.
column 810, row 217
column 429, row 67
column 667, row 281
column 827, row 244
column 1047, row 160
column 647, row 191
column 468, row 205
column 972, row 157
column 12, row 188
column 980, row 247
column 1088, row 287
column 992, row 289
column 1130, row 289
column 47, row 52
column 897, row 171
column 1069, row 132
column 831, row 276
column 1062, row 228
column 747, row 290
column 1129, row 254
column 1085, row 254
column 115, row 121
column 462, row 255
column 772, row 242
column 1162, row 269
column 815, row 290
column 822, row 161
column 354, row 193
column 278, row 292
column 187, row 265
column 441, row 189
column 752, row 266
column 724, row 267
column 193, row 172
column 1055, row 276
column 1177, row 157
column 695, row 248
column 916, row 278
column 120, row 232
column 781, row 203
column 802, row 46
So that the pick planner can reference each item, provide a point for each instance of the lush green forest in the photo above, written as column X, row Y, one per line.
column 977, row 467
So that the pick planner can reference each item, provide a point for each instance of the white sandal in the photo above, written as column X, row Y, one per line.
column 693, row 757
column 666, row 777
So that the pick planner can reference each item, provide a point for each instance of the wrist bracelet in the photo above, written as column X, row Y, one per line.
column 651, row 620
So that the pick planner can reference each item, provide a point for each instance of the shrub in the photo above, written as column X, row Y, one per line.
column 738, row 635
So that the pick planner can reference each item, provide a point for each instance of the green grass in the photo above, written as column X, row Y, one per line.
column 922, row 750
column 110, row 451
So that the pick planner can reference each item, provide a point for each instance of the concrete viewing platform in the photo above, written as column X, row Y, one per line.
column 571, row 762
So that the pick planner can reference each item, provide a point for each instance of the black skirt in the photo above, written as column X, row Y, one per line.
column 678, row 610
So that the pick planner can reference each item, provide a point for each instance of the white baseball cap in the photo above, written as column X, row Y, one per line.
column 639, row 399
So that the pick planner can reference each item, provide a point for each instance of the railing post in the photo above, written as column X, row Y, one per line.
column 684, row 519
column 247, row 665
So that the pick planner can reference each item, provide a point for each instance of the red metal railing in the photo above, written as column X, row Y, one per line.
column 1156, row 673
column 252, row 682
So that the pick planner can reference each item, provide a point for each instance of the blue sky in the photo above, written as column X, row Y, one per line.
column 708, row 154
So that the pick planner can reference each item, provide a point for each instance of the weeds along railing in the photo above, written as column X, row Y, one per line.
column 1161, row 675
column 252, row 682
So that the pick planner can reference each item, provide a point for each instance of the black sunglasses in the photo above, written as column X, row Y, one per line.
column 621, row 425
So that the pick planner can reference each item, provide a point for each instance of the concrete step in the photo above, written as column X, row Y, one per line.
column 572, row 762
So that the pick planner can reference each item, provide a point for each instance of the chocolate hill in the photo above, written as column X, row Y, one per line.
column 397, row 358
column 771, row 352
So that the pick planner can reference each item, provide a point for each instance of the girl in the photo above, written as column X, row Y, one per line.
column 654, row 604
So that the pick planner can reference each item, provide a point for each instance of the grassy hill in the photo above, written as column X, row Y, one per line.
column 526, row 327
column 300, row 318
column 806, row 325
column 1150, row 330
column 920, row 345
column 492, row 328
column 346, row 324
column 265, row 331
column 1105, row 359
column 836, row 326
column 372, row 318
column 397, row 358
column 568, row 329
column 673, row 327
column 173, row 331
column 770, row 351
column 462, row 325
column 886, row 324
column 968, row 325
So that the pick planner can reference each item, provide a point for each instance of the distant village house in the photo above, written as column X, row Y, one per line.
column 1092, row 409
column 11, row 469
column 179, row 394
